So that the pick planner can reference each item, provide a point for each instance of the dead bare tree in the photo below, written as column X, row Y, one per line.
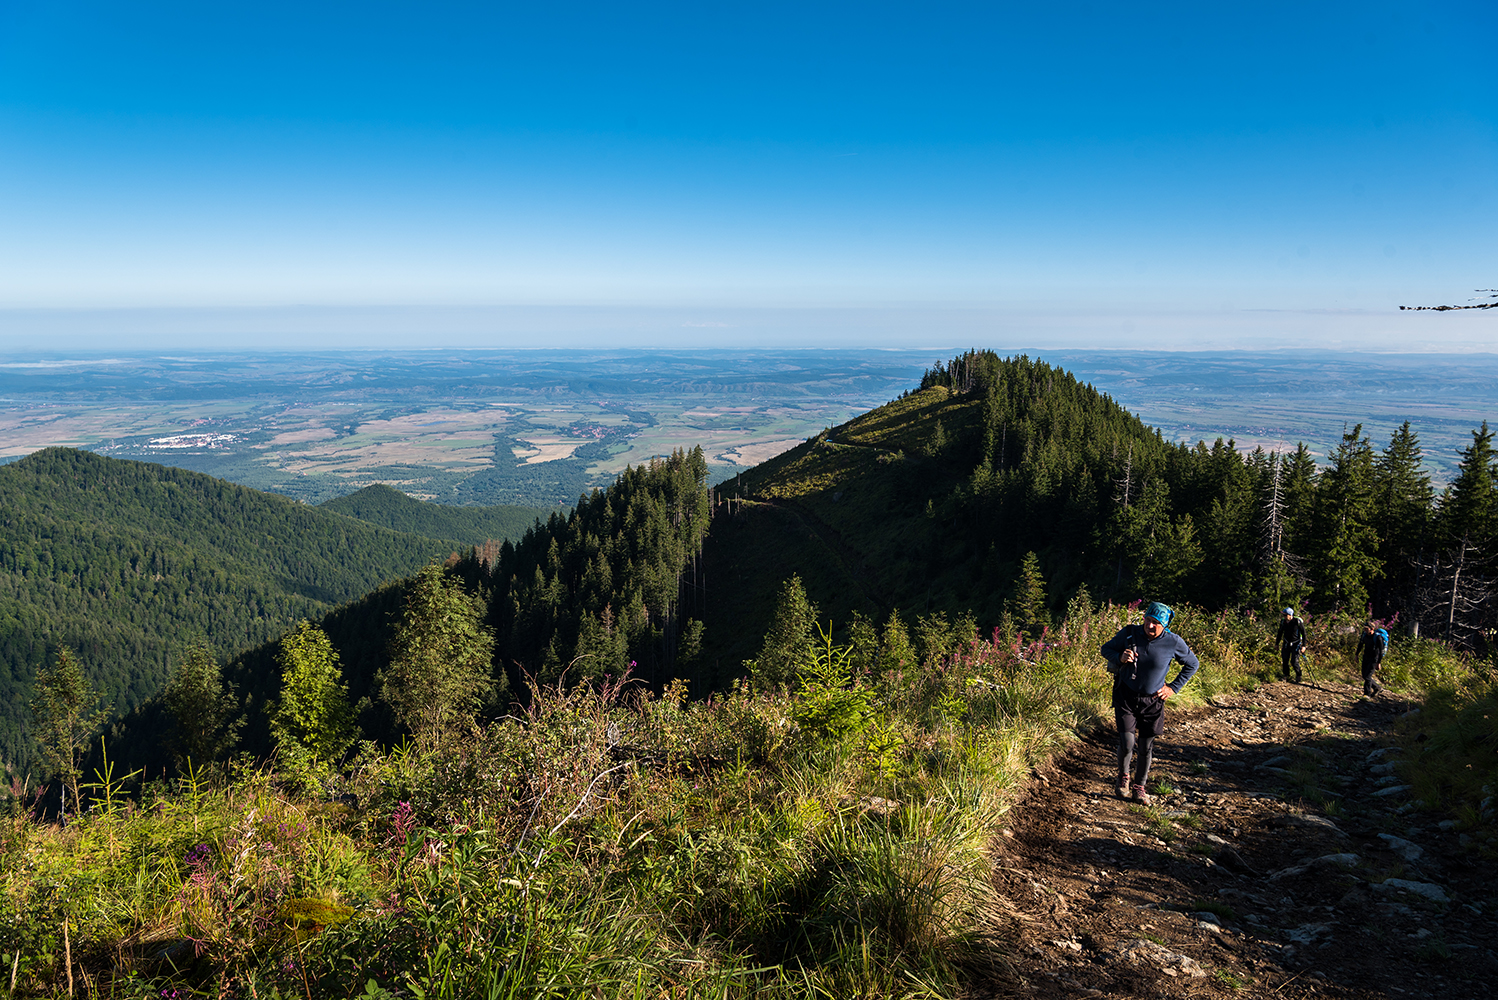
column 1454, row 599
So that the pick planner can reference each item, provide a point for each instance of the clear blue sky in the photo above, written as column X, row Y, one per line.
column 1082, row 174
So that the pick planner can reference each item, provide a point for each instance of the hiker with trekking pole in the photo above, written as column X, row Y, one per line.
column 1372, row 645
column 1292, row 642
column 1139, row 657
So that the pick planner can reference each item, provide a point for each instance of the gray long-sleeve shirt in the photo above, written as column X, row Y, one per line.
column 1147, row 674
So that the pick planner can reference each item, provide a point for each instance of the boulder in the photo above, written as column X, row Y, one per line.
column 1148, row 953
column 1427, row 890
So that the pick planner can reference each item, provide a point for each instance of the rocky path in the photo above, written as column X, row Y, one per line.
column 1281, row 859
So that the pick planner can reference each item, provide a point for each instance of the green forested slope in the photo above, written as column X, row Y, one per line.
column 608, row 584
column 931, row 502
column 127, row 561
column 390, row 508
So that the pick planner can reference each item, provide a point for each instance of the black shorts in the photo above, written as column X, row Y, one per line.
column 1136, row 711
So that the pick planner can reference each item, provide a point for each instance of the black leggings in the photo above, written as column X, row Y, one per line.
column 1126, row 747
column 1290, row 660
column 1140, row 718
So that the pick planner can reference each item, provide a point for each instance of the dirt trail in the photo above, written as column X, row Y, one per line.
column 1238, row 883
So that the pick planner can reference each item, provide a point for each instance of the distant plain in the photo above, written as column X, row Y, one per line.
column 539, row 427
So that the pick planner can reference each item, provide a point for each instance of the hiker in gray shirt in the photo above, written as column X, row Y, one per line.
column 1139, row 657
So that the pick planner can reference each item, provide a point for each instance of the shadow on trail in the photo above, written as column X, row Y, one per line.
column 1281, row 855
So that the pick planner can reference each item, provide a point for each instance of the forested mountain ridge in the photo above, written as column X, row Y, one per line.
column 390, row 508
column 127, row 562
column 931, row 503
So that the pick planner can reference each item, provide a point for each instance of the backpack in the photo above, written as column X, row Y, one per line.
column 1383, row 640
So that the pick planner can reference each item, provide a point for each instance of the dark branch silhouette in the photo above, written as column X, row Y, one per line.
column 1493, row 304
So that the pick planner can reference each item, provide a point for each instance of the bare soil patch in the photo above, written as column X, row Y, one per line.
column 1284, row 858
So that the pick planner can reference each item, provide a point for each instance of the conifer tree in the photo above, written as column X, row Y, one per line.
column 1160, row 550
column 895, row 651
column 1346, row 558
column 1299, row 482
column 790, row 639
column 1469, row 510
column 1457, row 593
column 1402, row 509
column 1029, row 607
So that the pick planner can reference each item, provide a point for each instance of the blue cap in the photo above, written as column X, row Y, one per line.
column 1289, row 611
column 1160, row 613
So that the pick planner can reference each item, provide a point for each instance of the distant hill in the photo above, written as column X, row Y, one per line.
column 390, row 508
column 127, row 561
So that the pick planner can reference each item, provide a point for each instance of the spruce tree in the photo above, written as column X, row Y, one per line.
column 1469, row 510
column 790, row 639
column 1346, row 558
column 1403, row 504
column 1029, row 606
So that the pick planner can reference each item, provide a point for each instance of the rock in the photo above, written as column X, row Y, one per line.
column 1308, row 933
column 1402, row 847
column 1279, row 761
column 1381, row 753
column 1207, row 916
column 1447, row 824
column 1274, row 770
column 1212, row 838
column 1290, row 872
column 1336, row 861
column 1142, row 952
column 1428, row 890
column 1315, row 822
column 1388, row 779
column 1067, row 945
column 1383, row 793
column 880, row 806
column 1382, row 768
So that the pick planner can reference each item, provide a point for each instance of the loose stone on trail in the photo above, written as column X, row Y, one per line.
column 1179, row 902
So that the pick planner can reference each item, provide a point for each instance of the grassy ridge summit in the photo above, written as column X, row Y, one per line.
column 126, row 562
column 390, row 508
column 928, row 503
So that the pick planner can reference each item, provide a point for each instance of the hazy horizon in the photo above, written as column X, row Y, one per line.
column 661, row 175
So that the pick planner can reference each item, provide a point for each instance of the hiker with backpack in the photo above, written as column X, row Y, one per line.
column 1139, row 657
column 1292, row 641
column 1372, row 645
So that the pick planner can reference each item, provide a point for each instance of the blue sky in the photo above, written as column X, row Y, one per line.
column 1081, row 175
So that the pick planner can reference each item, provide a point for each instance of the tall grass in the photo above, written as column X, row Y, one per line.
column 831, row 841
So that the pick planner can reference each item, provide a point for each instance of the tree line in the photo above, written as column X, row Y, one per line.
column 1059, row 469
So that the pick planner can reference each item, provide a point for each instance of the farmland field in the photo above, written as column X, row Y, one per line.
column 539, row 427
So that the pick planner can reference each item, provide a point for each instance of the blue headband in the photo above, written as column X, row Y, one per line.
column 1159, row 613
